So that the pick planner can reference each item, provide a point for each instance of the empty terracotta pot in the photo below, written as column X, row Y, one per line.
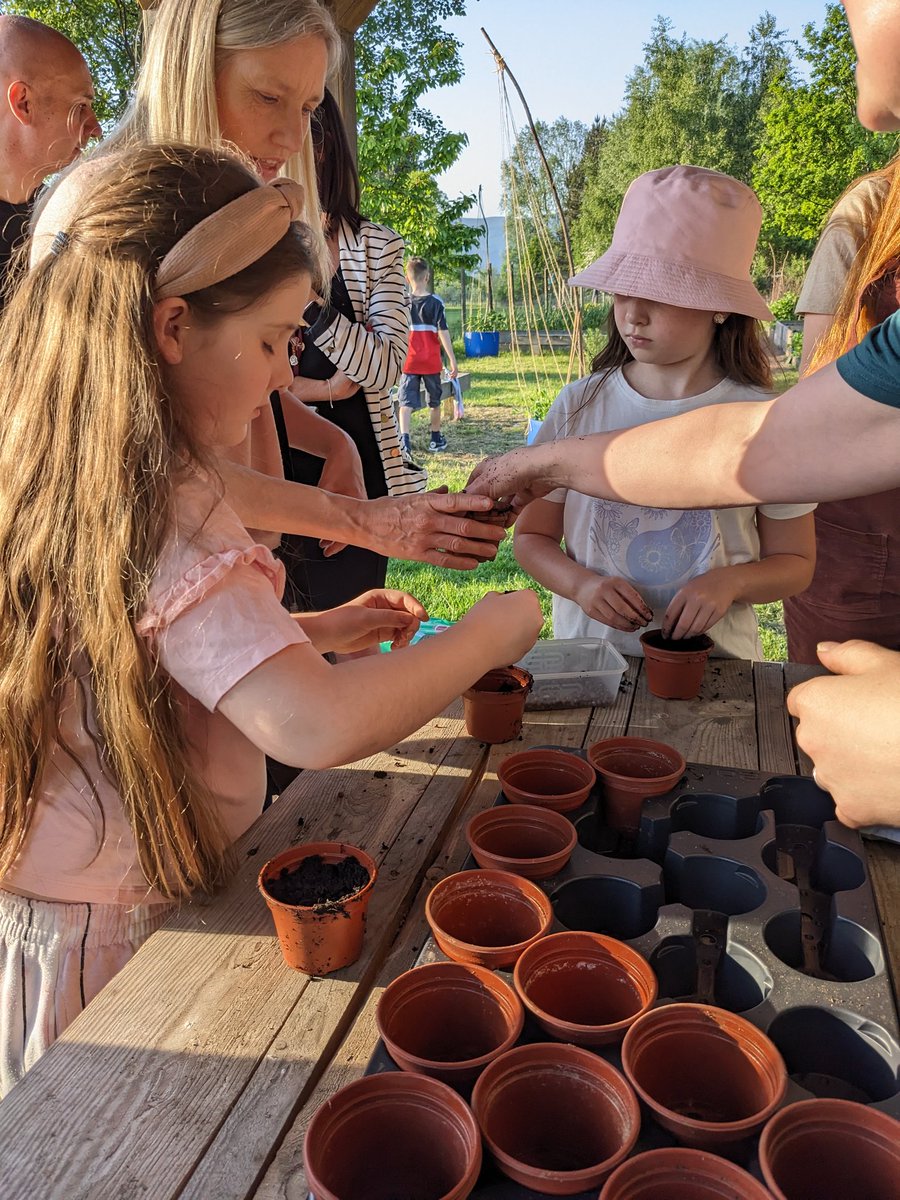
column 674, row 667
column 495, row 704
column 521, row 838
column 448, row 1020
column 583, row 987
column 709, row 1076
column 831, row 1150
column 633, row 769
column 548, row 778
column 487, row 917
column 319, row 938
column 556, row 1118
column 391, row 1135
column 679, row 1174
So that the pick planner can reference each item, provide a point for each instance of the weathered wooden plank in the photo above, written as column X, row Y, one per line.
column 291, row 1067
column 773, row 726
column 718, row 728
column 128, row 1100
column 286, row 1178
column 612, row 721
column 884, row 868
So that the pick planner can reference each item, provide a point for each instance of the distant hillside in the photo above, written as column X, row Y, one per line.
column 497, row 234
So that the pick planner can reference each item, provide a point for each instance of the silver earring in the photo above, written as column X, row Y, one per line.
column 720, row 318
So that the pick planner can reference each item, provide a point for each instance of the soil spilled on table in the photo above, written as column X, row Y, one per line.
column 315, row 883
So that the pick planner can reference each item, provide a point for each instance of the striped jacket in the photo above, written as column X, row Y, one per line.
column 371, row 350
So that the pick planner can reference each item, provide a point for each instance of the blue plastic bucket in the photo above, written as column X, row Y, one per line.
column 481, row 345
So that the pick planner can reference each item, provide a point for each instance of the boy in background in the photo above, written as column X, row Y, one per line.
column 428, row 333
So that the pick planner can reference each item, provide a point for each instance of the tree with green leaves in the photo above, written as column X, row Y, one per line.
column 107, row 32
column 403, row 51
column 689, row 101
column 813, row 146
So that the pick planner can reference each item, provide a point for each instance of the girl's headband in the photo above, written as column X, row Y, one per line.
column 230, row 239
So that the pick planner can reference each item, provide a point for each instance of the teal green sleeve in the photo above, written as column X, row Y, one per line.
column 873, row 367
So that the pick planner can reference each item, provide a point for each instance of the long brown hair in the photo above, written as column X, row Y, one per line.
column 737, row 344
column 853, row 317
column 91, row 449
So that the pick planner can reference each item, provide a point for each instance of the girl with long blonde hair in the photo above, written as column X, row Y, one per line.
column 146, row 663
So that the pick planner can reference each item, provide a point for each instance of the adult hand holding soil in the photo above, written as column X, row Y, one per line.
column 438, row 527
column 850, row 727
column 699, row 604
column 517, row 477
column 380, row 615
column 614, row 601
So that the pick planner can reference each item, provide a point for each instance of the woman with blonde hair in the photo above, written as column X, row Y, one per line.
column 148, row 665
column 852, row 286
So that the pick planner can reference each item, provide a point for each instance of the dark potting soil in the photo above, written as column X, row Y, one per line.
column 314, row 881
column 680, row 645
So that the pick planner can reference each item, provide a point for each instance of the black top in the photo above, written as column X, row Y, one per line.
column 14, row 220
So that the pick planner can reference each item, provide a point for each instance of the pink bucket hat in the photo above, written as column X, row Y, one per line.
column 685, row 236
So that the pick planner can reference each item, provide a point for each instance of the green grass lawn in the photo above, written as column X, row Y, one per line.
column 496, row 413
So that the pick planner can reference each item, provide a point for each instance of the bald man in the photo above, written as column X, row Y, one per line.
column 46, row 117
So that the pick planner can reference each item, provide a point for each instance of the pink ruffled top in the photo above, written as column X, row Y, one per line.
column 212, row 616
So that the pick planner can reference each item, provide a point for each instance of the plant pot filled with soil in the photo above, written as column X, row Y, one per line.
column 393, row 1135
column 583, row 987
column 556, row 1118
column 522, row 838
column 487, row 917
column 709, row 1077
column 318, row 895
column 552, row 779
column 675, row 666
column 448, row 1020
column 631, row 770
column 495, row 704
column 831, row 1150
column 679, row 1174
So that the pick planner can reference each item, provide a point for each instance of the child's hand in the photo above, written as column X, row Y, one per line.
column 699, row 604
column 380, row 615
column 613, row 601
column 511, row 622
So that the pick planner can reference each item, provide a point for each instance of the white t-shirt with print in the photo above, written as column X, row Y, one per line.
column 656, row 549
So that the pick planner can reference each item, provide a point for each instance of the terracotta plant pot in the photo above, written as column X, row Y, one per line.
column 448, row 1020
column 319, row 938
column 679, row 1174
column 556, row 1118
column 495, row 704
column 831, row 1150
column 675, row 668
column 521, row 838
column 393, row 1135
column 487, row 917
column 548, row 778
column 709, row 1076
column 633, row 769
column 583, row 987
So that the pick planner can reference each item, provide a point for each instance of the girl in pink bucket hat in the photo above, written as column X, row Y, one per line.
column 683, row 333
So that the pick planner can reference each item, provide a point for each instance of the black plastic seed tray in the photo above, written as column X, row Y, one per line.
column 743, row 891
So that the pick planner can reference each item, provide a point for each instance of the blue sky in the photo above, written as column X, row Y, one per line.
column 571, row 58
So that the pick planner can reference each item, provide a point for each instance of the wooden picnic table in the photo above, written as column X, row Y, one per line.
column 196, row 1070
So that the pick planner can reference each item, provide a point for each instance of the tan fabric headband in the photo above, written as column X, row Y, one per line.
column 230, row 239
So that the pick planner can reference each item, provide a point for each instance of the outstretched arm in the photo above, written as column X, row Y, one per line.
column 822, row 440
column 435, row 528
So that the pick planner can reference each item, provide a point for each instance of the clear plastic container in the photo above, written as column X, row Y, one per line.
column 573, row 673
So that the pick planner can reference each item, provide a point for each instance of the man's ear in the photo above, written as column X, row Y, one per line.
column 19, row 99
column 171, row 320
